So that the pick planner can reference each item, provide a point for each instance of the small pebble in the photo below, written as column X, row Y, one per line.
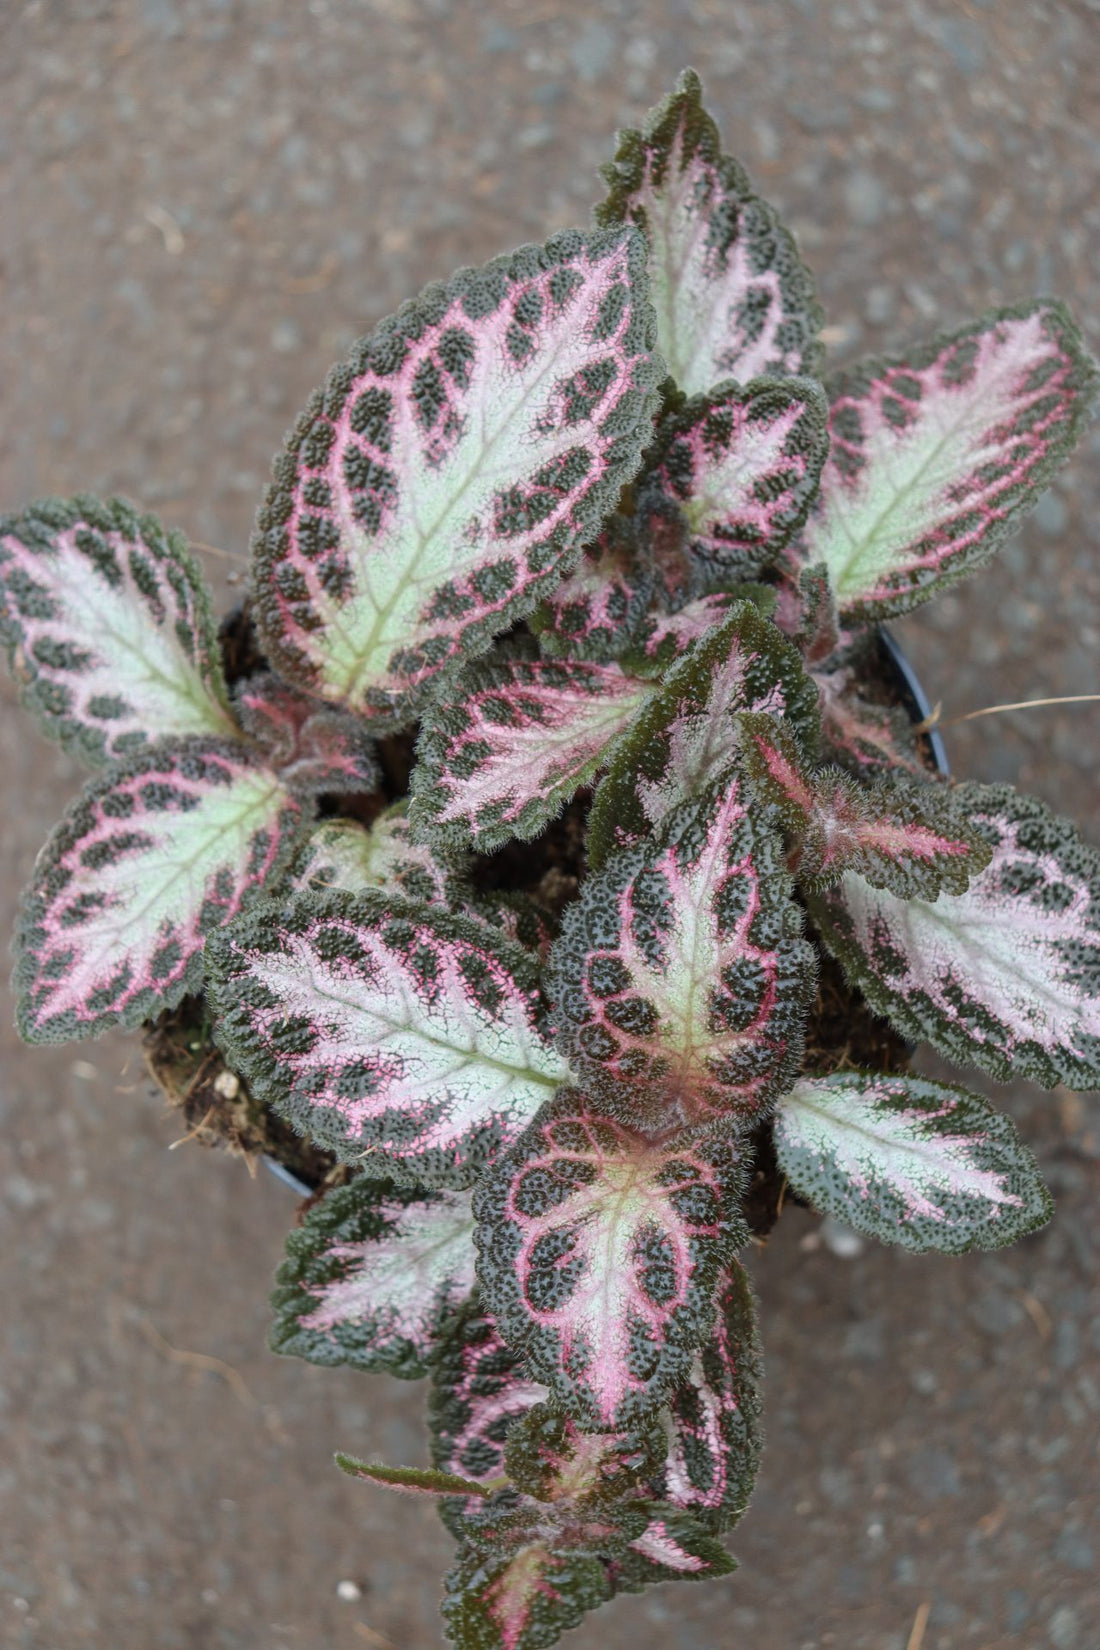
column 1063, row 1629
column 843, row 1242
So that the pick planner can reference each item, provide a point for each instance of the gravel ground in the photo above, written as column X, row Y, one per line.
column 203, row 204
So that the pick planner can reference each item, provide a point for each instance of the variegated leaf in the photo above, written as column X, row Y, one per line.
column 936, row 454
column 372, row 1274
column 713, row 1417
column 312, row 747
column 417, row 1481
column 908, row 838
column 450, row 470
column 341, row 854
column 673, row 1547
column 663, row 637
column 594, row 612
column 1005, row 976
column 156, row 854
column 599, row 1254
column 805, row 607
column 733, row 299
column 689, row 733
column 681, row 979
column 108, row 627
column 385, row 1028
column 551, row 1459
column 742, row 466
column 517, row 916
column 867, row 737
column 479, row 1389
column 522, row 1596
column 518, row 737
column 921, row 1164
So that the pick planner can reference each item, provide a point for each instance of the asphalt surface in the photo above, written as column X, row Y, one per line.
column 203, row 203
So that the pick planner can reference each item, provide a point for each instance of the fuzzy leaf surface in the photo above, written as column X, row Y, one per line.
column 673, row 1547
column 733, row 299
column 908, row 838
column 155, row 855
column 372, row 1274
column 342, row 854
column 664, row 637
column 377, row 1025
column 689, row 733
column 599, row 1255
column 935, row 455
column 1006, row 976
column 523, row 1598
column 594, row 612
column 519, row 737
column 449, row 471
column 312, row 747
column 920, row 1164
column 712, row 1420
column 806, row 607
column 418, row 1481
column 517, row 916
column 866, row 737
column 551, row 1459
column 480, row 1388
column 681, row 978
column 742, row 465
column 107, row 623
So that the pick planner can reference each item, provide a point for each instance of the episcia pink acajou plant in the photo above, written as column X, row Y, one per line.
column 508, row 866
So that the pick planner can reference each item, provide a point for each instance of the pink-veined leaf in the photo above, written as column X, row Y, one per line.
column 1006, row 976
column 688, row 734
column 935, row 455
column 517, row 916
column 681, row 979
column 551, row 1459
column 339, row 853
column 594, row 612
column 418, row 1481
column 663, row 637
column 156, row 854
column 806, row 607
column 921, row 1164
column 599, row 1254
column 480, row 1388
column 385, row 1030
column 712, row 1420
column 674, row 1546
column 742, row 466
column 447, row 475
column 372, row 1274
column 908, row 838
column 867, row 737
column 108, row 628
column 311, row 746
column 732, row 296
column 519, row 736
column 523, row 1596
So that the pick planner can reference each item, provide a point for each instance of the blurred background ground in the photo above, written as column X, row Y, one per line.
column 204, row 202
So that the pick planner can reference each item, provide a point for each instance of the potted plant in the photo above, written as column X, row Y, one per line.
column 543, row 868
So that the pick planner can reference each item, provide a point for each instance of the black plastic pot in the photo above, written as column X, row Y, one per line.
column 913, row 697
